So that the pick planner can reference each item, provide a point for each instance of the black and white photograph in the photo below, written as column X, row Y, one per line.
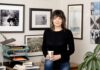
column 95, row 22
column 11, row 18
column 34, row 42
column 39, row 18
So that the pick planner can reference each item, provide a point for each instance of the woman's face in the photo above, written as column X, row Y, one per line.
column 57, row 21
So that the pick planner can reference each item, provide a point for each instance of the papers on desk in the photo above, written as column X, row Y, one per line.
column 19, row 67
column 23, row 67
column 32, row 67
column 28, row 63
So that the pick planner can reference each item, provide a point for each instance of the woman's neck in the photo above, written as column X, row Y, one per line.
column 57, row 29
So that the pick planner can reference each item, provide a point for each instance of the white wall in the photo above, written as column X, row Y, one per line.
column 81, row 46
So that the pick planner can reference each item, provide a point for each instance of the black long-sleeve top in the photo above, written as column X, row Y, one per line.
column 61, row 42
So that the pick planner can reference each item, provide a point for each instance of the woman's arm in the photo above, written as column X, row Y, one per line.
column 70, row 46
column 44, row 47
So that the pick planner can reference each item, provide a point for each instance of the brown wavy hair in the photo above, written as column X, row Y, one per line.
column 58, row 13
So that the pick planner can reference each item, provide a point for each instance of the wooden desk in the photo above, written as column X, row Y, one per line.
column 74, row 66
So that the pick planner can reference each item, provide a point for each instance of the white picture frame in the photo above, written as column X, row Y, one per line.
column 12, row 17
column 75, row 20
column 34, row 42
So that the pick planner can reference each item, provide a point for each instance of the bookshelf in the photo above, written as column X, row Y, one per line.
column 16, row 53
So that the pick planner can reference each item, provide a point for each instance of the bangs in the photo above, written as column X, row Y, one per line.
column 57, row 14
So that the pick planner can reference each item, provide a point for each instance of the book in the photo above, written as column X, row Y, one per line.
column 19, row 58
column 28, row 63
column 32, row 67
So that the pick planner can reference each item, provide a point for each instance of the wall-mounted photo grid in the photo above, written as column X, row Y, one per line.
column 95, row 22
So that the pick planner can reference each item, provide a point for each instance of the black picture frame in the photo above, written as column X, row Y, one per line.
column 75, row 20
column 39, row 18
column 12, row 18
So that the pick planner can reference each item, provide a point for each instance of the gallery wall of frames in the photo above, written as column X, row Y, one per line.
column 12, row 20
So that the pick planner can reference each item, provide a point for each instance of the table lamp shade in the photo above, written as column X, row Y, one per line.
column 6, row 41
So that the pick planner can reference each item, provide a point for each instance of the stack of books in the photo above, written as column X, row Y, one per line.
column 29, row 65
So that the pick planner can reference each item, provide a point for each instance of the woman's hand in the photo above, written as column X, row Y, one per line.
column 47, row 57
column 55, row 57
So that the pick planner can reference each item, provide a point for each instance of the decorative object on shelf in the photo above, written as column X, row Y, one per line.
column 34, row 42
column 11, row 18
column 91, row 60
column 75, row 20
column 39, row 18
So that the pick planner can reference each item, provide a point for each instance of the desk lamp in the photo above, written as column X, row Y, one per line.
column 6, row 41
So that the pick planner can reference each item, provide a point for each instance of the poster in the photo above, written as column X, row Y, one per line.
column 95, row 22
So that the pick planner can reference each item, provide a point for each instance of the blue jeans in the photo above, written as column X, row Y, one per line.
column 49, row 65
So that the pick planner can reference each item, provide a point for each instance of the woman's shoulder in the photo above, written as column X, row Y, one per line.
column 47, row 30
column 67, row 30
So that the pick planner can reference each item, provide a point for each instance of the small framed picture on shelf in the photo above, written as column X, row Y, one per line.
column 39, row 18
column 12, row 18
column 34, row 42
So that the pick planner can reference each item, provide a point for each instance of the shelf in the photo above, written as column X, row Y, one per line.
column 18, row 54
column 18, row 48
column 12, row 52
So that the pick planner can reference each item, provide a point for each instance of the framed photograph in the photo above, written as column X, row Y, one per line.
column 39, row 18
column 12, row 17
column 75, row 20
column 34, row 42
column 95, row 22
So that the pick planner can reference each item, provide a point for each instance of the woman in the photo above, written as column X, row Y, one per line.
column 59, row 40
